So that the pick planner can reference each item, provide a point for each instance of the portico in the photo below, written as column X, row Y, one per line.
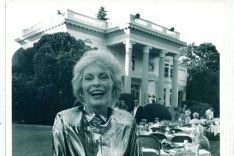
column 145, row 75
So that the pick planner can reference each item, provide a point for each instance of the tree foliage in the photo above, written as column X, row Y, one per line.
column 102, row 13
column 41, row 78
column 203, row 73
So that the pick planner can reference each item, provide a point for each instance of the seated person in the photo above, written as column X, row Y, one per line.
column 195, row 120
column 187, row 117
column 209, row 116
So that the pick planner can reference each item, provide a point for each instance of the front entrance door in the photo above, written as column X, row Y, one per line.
column 135, row 91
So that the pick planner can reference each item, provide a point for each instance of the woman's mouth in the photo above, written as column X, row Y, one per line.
column 97, row 93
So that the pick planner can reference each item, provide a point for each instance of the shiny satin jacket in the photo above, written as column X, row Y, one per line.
column 73, row 135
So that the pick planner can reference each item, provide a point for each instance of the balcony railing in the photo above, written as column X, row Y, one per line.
column 32, row 30
column 155, row 27
column 42, row 26
column 74, row 16
column 86, row 19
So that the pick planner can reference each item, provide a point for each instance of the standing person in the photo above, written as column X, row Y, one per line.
column 95, row 128
column 136, row 106
column 184, row 108
column 160, row 101
column 187, row 117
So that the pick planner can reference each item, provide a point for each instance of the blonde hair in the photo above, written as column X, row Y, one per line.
column 195, row 115
column 103, row 59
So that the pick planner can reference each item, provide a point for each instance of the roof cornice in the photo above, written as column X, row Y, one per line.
column 140, row 29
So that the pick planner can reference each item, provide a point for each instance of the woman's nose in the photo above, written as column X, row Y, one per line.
column 96, row 82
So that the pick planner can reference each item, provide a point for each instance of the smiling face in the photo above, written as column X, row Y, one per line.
column 97, row 86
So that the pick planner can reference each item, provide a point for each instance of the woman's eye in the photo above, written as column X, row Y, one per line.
column 104, row 77
column 88, row 78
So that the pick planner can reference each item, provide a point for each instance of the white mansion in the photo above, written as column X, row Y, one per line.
column 147, row 51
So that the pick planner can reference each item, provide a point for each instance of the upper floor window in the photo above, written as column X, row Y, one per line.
column 171, row 69
column 168, row 70
column 151, row 67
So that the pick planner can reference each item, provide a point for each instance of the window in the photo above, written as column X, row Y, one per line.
column 135, row 91
column 171, row 69
column 151, row 67
column 170, row 95
column 133, row 63
column 166, row 70
column 180, row 98
column 164, row 96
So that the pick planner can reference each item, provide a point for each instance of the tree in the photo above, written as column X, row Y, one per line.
column 41, row 81
column 102, row 13
column 203, row 73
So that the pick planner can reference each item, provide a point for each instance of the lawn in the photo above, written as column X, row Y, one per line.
column 215, row 148
column 31, row 140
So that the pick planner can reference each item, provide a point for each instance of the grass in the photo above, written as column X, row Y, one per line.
column 215, row 146
column 31, row 140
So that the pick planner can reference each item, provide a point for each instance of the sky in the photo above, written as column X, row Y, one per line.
column 196, row 21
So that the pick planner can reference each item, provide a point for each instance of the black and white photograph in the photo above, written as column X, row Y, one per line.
column 117, row 78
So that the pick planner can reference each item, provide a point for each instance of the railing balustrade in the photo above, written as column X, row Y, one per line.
column 155, row 27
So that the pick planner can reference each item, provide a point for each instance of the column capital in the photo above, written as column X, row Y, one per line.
column 128, row 43
column 175, row 57
column 146, row 49
column 162, row 54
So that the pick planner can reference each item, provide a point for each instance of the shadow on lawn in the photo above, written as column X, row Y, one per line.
column 31, row 140
column 215, row 147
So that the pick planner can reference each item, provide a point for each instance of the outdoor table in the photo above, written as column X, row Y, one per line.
column 169, row 135
column 189, row 131
column 172, row 152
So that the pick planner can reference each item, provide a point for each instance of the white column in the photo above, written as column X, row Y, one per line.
column 174, row 96
column 144, row 90
column 161, row 76
column 128, row 69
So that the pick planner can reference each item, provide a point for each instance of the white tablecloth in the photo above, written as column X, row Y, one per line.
column 214, row 129
column 202, row 152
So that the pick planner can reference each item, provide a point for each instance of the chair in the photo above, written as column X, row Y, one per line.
column 159, row 136
column 150, row 145
column 181, row 138
column 182, row 153
column 203, row 142
column 176, row 130
column 158, row 129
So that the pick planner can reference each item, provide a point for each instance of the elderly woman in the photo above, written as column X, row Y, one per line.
column 209, row 116
column 95, row 128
